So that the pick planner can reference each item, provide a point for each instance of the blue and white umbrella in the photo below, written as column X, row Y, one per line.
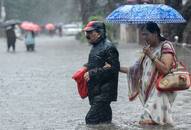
column 143, row 13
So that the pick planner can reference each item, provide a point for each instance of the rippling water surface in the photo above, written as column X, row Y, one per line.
column 37, row 92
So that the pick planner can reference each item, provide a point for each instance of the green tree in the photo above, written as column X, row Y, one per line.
column 42, row 10
column 180, row 30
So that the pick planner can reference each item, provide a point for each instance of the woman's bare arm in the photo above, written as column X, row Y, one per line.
column 165, row 63
column 124, row 70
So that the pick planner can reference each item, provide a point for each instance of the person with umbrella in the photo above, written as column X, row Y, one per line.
column 11, row 37
column 12, row 32
column 30, row 30
column 158, row 59
column 50, row 28
column 102, row 82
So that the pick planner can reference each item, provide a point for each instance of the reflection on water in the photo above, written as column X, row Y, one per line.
column 130, row 127
column 111, row 126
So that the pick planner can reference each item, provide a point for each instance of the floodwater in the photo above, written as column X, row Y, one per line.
column 37, row 92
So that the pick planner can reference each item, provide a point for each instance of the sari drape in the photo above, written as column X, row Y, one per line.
column 142, row 81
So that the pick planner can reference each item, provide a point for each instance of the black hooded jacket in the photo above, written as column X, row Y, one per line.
column 103, row 82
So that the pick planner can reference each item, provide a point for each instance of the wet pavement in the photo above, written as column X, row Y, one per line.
column 37, row 92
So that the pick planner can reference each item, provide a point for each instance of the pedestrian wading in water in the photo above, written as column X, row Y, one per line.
column 102, row 80
column 158, row 58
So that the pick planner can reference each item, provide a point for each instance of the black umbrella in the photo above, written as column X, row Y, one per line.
column 10, row 22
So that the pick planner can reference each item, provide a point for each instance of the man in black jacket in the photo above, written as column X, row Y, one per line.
column 102, row 80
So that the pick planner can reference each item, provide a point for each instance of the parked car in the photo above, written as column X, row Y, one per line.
column 71, row 29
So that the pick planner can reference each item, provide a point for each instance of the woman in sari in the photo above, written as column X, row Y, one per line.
column 158, row 59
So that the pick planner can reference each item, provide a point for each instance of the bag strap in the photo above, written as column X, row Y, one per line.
column 176, row 62
column 174, row 56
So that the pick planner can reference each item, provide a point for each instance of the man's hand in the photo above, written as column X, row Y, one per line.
column 107, row 65
column 86, row 76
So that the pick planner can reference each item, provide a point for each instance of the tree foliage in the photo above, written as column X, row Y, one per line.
column 180, row 30
column 97, row 7
column 42, row 10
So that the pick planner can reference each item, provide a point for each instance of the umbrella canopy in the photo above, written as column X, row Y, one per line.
column 29, row 26
column 37, row 28
column 11, row 22
column 143, row 13
column 50, row 26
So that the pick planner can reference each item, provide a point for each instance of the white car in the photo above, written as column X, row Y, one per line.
column 71, row 29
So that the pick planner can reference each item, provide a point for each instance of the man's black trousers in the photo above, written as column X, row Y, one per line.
column 100, row 112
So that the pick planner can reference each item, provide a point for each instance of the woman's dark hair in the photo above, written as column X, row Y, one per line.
column 153, row 28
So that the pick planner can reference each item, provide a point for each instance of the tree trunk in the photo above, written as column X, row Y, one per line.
column 84, row 10
column 88, row 8
column 187, row 28
column 181, row 30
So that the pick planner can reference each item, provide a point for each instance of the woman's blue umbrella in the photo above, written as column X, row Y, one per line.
column 142, row 13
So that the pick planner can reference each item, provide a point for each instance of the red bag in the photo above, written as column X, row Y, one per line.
column 178, row 79
column 81, row 82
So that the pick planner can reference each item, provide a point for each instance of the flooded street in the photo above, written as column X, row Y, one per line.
column 37, row 92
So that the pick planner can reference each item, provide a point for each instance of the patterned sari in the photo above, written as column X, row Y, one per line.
column 142, row 81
